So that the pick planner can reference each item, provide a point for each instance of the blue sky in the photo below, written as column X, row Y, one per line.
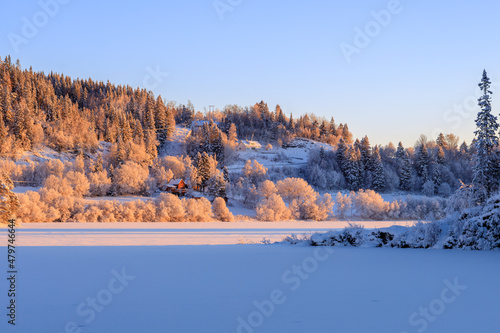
column 418, row 74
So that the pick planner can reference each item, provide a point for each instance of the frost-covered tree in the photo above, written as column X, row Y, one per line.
column 130, row 178
column 217, row 185
column 422, row 162
column 254, row 172
column 220, row 210
column 9, row 203
column 378, row 181
column 267, row 188
column 273, row 209
column 485, row 174
column 404, row 171
column 353, row 169
column 344, row 204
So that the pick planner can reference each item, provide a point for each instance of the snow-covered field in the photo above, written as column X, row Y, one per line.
column 295, row 156
column 253, row 288
column 181, row 233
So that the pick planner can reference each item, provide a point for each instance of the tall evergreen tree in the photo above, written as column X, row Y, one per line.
column 485, row 160
column 422, row 162
column 378, row 182
column 404, row 171
column 160, row 117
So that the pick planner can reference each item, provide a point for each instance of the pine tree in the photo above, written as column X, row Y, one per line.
column 9, row 203
column 485, row 160
column 342, row 155
column 98, row 167
column 160, row 117
column 4, row 133
column 404, row 171
column 204, row 168
column 441, row 141
column 422, row 162
column 378, row 182
column 353, row 169
column 232, row 135
column 440, row 157
column 367, row 165
column 400, row 152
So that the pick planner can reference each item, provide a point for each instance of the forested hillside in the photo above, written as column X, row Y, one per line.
column 116, row 140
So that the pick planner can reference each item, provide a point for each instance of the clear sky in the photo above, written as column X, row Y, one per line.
column 413, row 72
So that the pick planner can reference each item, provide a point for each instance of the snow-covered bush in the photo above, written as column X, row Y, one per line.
column 354, row 235
column 220, row 210
column 198, row 210
column 370, row 205
column 273, row 209
column 421, row 235
column 100, row 183
column 344, row 204
column 477, row 228
column 421, row 207
column 169, row 208
column 429, row 188
column 59, row 185
column 462, row 199
column 444, row 190
column 78, row 182
column 130, row 178
column 318, row 208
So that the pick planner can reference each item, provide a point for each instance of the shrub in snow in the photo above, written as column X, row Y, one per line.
column 370, row 205
column 169, row 208
column 46, row 169
column 354, row 235
column 444, row 190
column 220, row 210
column 418, row 207
column 421, row 235
column 32, row 209
column 100, row 183
column 59, row 185
column 130, row 178
column 344, row 204
column 272, row 209
column 429, row 188
column 66, row 205
column 462, row 199
column 477, row 228
column 317, row 209
column 78, row 182
column 198, row 210
column 145, row 211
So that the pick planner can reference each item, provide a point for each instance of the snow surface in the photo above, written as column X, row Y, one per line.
column 170, row 233
column 295, row 157
column 208, row 288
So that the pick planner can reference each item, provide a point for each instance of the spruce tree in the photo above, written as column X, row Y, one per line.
column 160, row 117
column 378, row 182
column 422, row 162
column 485, row 170
column 404, row 171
